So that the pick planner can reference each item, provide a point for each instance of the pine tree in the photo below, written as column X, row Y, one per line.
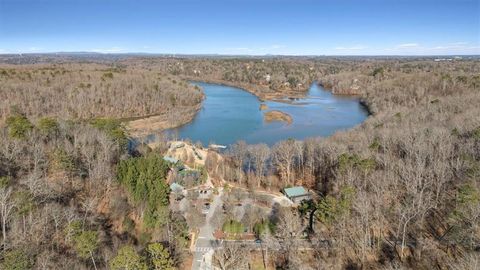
column 159, row 257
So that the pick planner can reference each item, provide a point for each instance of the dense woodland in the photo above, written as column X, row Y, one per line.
column 90, row 90
column 64, row 205
column 400, row 191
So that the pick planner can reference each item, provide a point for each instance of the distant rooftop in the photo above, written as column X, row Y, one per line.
column 295, row 191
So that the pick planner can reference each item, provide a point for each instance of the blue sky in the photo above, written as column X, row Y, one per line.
column 295, row 27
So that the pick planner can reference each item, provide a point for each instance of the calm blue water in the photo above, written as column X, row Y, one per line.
column 231, row 114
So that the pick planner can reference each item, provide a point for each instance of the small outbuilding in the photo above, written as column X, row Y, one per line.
column 297, row 194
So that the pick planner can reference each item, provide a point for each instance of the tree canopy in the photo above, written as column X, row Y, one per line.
column 128, row 259
column 145, row 179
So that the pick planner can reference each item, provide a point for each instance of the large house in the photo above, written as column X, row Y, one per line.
column 297, row 194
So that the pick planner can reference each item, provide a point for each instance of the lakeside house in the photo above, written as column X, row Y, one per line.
column 297, row 194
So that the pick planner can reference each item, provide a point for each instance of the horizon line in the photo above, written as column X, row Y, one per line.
column 221, row 54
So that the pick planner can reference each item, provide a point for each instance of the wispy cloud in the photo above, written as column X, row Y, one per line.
column 238, row 50
column 459, row 43
column 34, row 49
column 449, row 48
column 352, row 48
column 274, row 48
column 277, row 46
column 407, row 45
column 109, row 50
column 454, row 46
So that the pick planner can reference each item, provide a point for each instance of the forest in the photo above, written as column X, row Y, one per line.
column 399, row 191
column 73, row 91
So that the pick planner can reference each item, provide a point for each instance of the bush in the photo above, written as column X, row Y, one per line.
column 113, row 128
column 378, row 71
column 107, row 75
column 346, row 161
column 375, row 145
column 476, row 133
column 203, row 174
column 144, row 238
column 128, row 224
column 16, row 260
column 18, row 126
column 48, row 126
column 63, row 161
column 4, row 181
column 468, row 194
column 72, row 230
column 24, row 201
column 86, row 243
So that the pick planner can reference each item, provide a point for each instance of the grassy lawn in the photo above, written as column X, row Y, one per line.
column 233, row 227
column 264, row 227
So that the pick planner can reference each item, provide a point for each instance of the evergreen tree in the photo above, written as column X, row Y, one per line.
column 159, row 257
column 16, row 260
column 128, row 259
column 145, row 179
column 18, row 126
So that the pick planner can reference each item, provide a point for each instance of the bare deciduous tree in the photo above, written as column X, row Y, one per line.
column 231, row 255
column 6, row 209
column 284, row 158
column 260, row 154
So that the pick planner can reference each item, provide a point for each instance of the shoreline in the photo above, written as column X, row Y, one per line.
column 144, row 126
column 362, row 100
column 255, row 90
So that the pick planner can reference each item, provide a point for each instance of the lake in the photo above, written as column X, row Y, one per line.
column 230, row 114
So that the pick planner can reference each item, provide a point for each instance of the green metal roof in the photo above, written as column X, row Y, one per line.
column 295, row 191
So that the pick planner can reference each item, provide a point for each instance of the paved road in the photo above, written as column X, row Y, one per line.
column 206, row 242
